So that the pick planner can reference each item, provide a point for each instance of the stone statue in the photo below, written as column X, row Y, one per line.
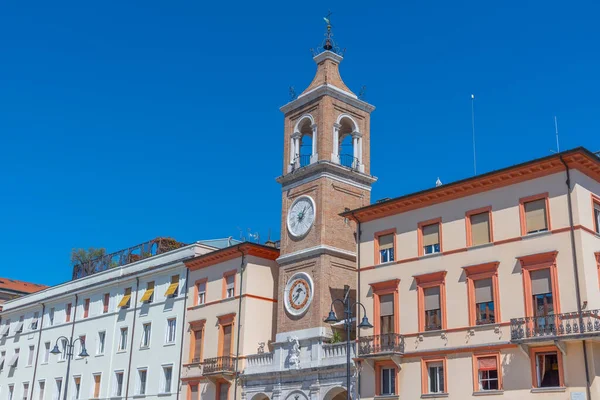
column 261, row 347
column 294, row 352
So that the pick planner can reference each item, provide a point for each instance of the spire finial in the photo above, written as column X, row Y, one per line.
column 328, row 43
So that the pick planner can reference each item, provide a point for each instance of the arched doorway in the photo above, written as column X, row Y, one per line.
column 336, row 393
column 260, row 396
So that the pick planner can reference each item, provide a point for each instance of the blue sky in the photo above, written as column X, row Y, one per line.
column 123, row 121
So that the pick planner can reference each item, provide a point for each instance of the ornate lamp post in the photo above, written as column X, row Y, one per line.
column 332, row 318
column 69, row 354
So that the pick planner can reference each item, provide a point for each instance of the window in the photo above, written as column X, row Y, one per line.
column 41, row 390
column 194, row 391
column 434, row 376
column 431, row 292
column 386, row 378
column 19, row 327
column 386, row 314
column 429, row 237
column 385, row 243
column 171, row 328
column 34, row 322
column 540, row 280
column 77, row 384
column 81, row 345
column 125, row 300
column 543, row 299
column 479, row 226
column 229, row 284
column 226, row 343
column 118, row 383
column 223, row 391
column 149, row 293
column 101, row 340
column 2, row 358
column 63, row 353
column 96, row 392
column 14, row 361
column 86, row 308
column 51, row 317
column 167, row 378
column 5, row 328
column 197, row 332
column 57, row 388
column 46, row 352
column 547, row 367
column 487, row 373
column 68, row 313
column 534, row 212
column 105, row 303
column 173, row 286
column 30, row 355
column 482, row 292
column 11, row 390
column 596, row 209
column 201, row 290
column 25, row 390
column 142, row 375
column 123, row 340
column 146, row 330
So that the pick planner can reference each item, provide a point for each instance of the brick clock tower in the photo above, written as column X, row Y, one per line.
column 326, row 170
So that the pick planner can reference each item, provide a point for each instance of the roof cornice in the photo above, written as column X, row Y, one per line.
column 230, row 253
column 327, row 90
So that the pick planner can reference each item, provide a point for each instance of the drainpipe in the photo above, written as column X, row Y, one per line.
column 358, row 232
column 37, row 354
column 239, row 320
column 576, row 275
column 135, row 304
column 187, row 275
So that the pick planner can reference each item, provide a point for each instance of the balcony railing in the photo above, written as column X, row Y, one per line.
column 304, row 159
column 557, row 325
column 378, row 344
column 348, row 160
column 126, row 256
column 219, row 365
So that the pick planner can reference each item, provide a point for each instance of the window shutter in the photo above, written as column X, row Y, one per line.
column 480, row 229
column 432, row 298
column 487, row 363
column 483, row 290
column 230, row 281
column 197, row 343
column 226, row 341
column 386, row 305
column 386, row 242
column 540, row 281
column 431, row 234
column 535, row 215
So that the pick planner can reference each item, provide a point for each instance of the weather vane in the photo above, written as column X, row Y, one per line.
column 328, row 43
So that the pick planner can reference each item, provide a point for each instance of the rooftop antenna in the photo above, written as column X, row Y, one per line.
column 473, row 128
column 254, row 236
column 556, row 130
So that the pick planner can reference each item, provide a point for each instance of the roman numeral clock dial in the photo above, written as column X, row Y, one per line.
column 301, row 216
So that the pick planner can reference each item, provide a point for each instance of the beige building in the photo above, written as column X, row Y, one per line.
column 489, row 285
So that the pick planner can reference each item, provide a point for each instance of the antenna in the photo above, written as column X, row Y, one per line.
column 473, row 127
column 556, row 129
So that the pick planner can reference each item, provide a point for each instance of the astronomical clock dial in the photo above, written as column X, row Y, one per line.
column 301, row 216
column 298, row 293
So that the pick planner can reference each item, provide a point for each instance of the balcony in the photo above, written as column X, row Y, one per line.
column 566, row 326
column 192, row 371
column 388, row 344
column 348, row 160
column 222, row 366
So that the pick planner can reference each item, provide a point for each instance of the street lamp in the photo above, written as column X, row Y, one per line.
column 69, row 353
column 332, row 318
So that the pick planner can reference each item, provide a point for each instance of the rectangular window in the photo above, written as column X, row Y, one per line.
column 126, row 299
column 433, row 308
column 226, row 345
column 46, row 352
column 142, row 375
column 484, row 301
column 149, row 293
column 543, row 302
column 19, row 327
column 14, row 361
column 96, row 392
column 41, row 390
column 25, row 390
column 430, row 238
column 223, row 389
column 11, row 390
column 77, row 384
column 534, row 214
column 86, row 308
column 479, row 228
column 230, row 286
column 146, row 331
column 57, row 388
column 486, row 368
column 386, row 248
column 194, row 392
column 81, row 345
column 63, row 353
column 201, row 288
column 101, row 340
column 105, row 303
column 2, row 359
column 30, row 355
column 435, row 377
column 118, row 384
column 173, row 286
column 197, row 355
column 596, row 202
column 547, row 369
column 68, row 313
column 386, row 314
column 34, row 322
column 167, row 378
column 171, row 328
column 388, row 381
column 123, row 339
column 51, row 317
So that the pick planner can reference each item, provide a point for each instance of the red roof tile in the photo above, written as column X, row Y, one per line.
column 20, row 286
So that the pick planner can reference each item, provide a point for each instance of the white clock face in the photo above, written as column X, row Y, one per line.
column 298, row 293
column 301, row 216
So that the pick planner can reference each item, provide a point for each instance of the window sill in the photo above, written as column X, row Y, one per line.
column 138, row 396
column 169, row 344
column 144, row 348
column 386, row 397
column 488, row 393
column 383, row 264
column 99, row 355
column 549, row 390
column 122, row 351
column 536, row 234
column 228, row 298
column 480, row 246
column 433, row 395
column 162, row 394
column 438, row 254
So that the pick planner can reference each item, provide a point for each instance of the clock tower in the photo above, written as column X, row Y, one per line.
column 326, row 170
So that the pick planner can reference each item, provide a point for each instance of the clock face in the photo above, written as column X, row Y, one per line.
column 301, row 216
column 298, row 293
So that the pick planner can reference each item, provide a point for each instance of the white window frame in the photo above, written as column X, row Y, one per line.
column 25, row 391
column 93, row 385
column 30, row 355
column 390, row 391
column 115, row 391
column 76, row 392
column 51, row 315
column 11, row 392
column 57, row 389
column 439, row 369
column 101, row 343
column 41, row 391
column 138, row 389
column 146, row 338
column 202, row 294
column 46, row 352
column 63, row 353
column 123, row 339
column 163, row 379
column 168, row 339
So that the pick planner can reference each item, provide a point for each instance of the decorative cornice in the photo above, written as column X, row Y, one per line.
column 316, row 251
column 326, row 168
column 230, row 253
column 327, row 90
column 539, row 258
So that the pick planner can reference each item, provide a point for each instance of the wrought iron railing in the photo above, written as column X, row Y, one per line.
column 126, row 256
column 304, row 160
column 218, row 365
column 348, row 160
column 386, row 343
column 555, row 325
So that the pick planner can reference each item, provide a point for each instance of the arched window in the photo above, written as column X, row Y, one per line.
column 303, row 143
column 306, row 148
column 347, row 141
